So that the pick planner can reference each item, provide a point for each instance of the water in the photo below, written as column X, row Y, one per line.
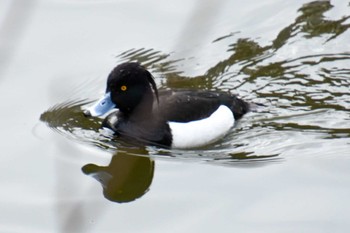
column 283, row 168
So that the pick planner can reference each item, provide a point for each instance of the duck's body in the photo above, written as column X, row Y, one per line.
column 168, row 118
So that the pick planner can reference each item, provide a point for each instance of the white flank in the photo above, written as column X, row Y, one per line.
column 202, row 132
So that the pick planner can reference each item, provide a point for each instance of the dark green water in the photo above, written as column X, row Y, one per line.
column 283, row 168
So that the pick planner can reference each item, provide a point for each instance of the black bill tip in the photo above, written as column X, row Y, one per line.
column 87, row 113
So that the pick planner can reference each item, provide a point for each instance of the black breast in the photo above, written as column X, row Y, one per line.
column 148, row 130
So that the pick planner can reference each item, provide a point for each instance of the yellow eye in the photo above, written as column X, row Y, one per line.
column 123, row 88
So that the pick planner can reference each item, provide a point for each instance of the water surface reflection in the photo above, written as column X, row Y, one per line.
column 302, row 78
column 126, row 178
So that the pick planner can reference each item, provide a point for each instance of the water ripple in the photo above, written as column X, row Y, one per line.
column 301, row 78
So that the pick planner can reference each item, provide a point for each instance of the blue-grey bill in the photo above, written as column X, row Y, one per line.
column 102, row 106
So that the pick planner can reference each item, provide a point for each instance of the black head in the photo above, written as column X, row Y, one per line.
column 130, row 85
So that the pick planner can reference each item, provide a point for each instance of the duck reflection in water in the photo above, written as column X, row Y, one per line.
column 126, row 178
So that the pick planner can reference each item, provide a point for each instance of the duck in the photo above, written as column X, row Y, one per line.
column 169, row 118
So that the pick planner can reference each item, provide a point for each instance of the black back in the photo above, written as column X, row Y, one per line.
column 190, row 105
